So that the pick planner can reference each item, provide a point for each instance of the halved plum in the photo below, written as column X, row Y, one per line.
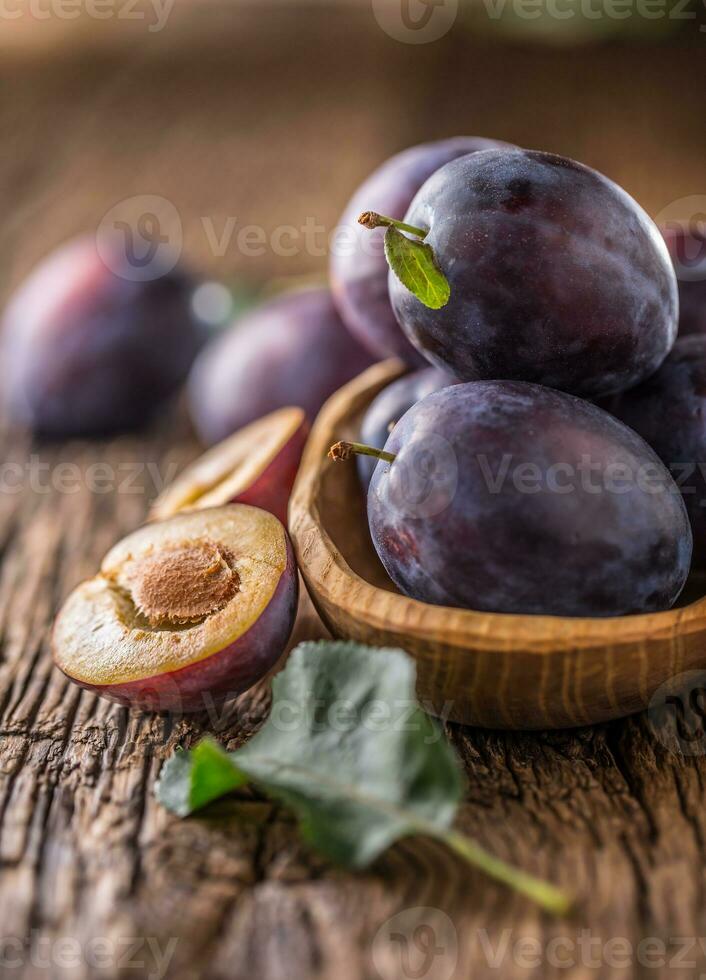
column 256, row 465
column 184, row 613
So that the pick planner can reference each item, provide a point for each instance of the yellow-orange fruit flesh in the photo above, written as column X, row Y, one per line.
column 185, row 612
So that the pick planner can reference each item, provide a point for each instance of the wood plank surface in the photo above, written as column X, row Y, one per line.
column 96, row 880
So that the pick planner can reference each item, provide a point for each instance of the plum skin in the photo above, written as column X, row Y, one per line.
column 496, row 548
column 270, row 486
column 358, row 265
column 388, row 407
column 557, row 276
column 86, row 352
column 669, row 412
column 223, row 675
column 293, row 350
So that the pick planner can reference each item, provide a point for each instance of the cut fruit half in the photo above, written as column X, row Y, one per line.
column 257, row 465
column 185, row 613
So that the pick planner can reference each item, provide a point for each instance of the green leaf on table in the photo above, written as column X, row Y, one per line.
column 191, row 780
column 359, row 761
column 346, row 747
column 350, row 751
column 414, row 265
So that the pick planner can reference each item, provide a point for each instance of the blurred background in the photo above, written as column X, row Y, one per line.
column 268, row 113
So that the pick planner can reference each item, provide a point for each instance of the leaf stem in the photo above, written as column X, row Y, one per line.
column 549, row 897
column 344, row 450
column 371, row 219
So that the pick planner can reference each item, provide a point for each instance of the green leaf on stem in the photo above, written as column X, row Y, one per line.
column 350, row 751
column 414, row 264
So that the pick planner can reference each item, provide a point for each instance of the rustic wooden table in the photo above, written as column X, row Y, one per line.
column 99, row 881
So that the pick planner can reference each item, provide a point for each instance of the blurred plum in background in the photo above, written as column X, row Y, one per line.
column 358, row 267
column 293, row 350
column 88, row 351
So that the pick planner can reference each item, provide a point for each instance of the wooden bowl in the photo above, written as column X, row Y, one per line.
column 489, row 669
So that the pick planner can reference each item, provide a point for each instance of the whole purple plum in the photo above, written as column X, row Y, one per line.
column 557, row 276
column 293, row 350
column 687, row 248
column 669, row 412
column 515, row 498
column 358, row 266
column 387, row 408
column 88, row 351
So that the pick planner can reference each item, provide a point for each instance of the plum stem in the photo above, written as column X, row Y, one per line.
column 344, row 450
column 371, row 219
column 549, row 897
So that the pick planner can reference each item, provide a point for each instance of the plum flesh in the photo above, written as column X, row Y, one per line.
column 293, row 350
column 358, row 266
column 557, row 276
column 185, row 613
column 510, row 497
column 86, row 352
column 669, row 412
column 388, row 408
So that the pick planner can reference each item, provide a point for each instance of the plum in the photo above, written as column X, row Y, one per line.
column 687, row 247
column 389, row 406
column 185, row 613
column 510, row 497
column 557, row 276
column 358, row 266
column 669, row 412
column 256, row 465
column 87, row 352
column 293, row 350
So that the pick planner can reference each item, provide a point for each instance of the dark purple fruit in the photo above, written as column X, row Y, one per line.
column 86, row 351
column 511, row 497
column 669, row 412
column 358, row 266
column 293, row 350
column 688, row 251
column 388, row 408
column 557, row 276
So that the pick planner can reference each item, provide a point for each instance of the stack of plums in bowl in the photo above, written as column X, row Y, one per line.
column 539, row 482
column 527, row 463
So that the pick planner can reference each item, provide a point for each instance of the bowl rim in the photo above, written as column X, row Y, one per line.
column 329, row 576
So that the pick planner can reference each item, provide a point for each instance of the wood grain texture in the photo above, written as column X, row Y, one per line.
column 500, row 671
column 95, row 878
column 287, row 129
